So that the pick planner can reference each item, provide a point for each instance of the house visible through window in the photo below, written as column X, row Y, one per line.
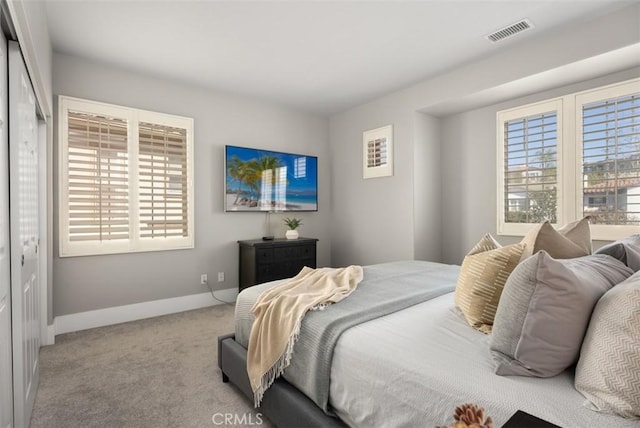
column 551, row 169
column 611, row 160
column 530, row 168
column 125, row 179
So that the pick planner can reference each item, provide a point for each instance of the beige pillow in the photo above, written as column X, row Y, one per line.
column 570, row 241
column 482, row 276
column 608, row 372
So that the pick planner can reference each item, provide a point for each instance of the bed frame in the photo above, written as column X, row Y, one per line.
column 283, row 404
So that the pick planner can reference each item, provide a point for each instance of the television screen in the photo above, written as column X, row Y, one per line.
column 263, row 180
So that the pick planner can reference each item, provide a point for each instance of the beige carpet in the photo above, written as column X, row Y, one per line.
column 158, row 372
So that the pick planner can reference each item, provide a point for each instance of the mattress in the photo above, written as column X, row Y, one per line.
column 243, row 317
column 413, row 367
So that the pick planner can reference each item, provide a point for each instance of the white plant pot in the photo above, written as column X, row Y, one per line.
column 292, row 234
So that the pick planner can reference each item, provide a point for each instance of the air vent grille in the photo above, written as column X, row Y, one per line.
column 510, row 30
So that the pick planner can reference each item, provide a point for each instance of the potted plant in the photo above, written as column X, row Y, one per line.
column 292, row 224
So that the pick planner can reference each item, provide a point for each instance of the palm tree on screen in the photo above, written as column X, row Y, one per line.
column 238, row 171
column 259, row 168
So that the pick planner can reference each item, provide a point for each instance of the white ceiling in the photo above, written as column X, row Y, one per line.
column 321, row 56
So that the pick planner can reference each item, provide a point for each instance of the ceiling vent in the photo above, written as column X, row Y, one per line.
column 510, row 30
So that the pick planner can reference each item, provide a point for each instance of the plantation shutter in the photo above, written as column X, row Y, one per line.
column 126, row 179
column 162, row 174
column 611, row 160
column 98, row 181
column 377, row 153
column 530, row 173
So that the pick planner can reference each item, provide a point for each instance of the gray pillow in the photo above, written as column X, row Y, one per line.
column 544, row 312
column 626, row 250
column 608, row 372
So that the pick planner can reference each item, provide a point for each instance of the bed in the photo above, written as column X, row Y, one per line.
column 409, row 367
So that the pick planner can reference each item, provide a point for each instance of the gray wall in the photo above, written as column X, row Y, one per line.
column 95, row 282
column 427, row 170
column 403, row 217
column 469, row 169
column 468, row 181
column 372, row 220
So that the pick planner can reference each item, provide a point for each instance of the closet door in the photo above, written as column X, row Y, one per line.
column 6, row 376
column 25, row 287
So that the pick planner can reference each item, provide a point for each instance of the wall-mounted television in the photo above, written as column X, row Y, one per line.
column 264, row 180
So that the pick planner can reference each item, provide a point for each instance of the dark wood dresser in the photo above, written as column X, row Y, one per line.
column 263, row 261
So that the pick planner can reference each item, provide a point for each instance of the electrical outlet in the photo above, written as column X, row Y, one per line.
column 203, row 278
column 220, row 276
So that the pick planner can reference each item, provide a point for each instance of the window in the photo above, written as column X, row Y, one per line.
column 530, row 150
column 125, row 179
column 300, row 167
column 610, row 140
column 530, row 173
column 578, row 155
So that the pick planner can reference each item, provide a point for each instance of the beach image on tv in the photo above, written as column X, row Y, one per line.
column 263, row 180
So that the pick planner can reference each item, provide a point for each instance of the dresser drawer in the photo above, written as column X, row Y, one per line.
column 264, row 255
column 294, row 252
column 265, row 271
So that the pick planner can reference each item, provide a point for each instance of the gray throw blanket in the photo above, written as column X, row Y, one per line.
column 386, row 288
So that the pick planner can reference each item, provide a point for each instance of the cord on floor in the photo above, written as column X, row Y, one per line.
column 219, row 300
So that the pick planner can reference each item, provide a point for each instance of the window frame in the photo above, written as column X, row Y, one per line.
column 569, row 160
column 134, row 243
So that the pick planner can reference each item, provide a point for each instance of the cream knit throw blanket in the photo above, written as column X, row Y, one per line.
column 279, row 312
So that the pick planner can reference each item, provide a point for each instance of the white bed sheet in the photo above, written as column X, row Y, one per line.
column 413, row 367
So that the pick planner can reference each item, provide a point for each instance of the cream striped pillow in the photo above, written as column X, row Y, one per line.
column 608, row 372
column 482, row 277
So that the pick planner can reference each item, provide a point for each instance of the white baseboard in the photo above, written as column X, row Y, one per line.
column 119, row 314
